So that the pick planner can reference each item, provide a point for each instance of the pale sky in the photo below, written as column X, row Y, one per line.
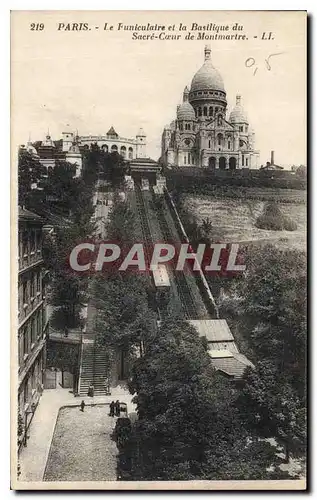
column 93, row 79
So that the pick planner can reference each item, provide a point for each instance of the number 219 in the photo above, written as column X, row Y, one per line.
column 37, row 27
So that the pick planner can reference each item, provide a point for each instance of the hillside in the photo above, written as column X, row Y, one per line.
column 233, row 220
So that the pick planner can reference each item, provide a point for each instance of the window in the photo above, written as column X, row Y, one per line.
column 39, row 324
column 210, row 111
column 180, row 126
column 199, row 111
column 216, row 110
column 189, row 159
column 32, row 241
column 229, row 144
column 205, row 110
column 25, row 296
column 243, row 160
column 33, row 331
column 219, row 139
column 26, row 391
column 185, row 160
column 246, row 162
column 25, row 341
column 32, row 286
column 38, row 241
column 241, row 128
column 209, row 144
column 25, row 239
column 21, row 353
column 219, row 121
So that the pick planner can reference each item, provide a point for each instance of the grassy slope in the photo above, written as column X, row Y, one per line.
column 234, row 219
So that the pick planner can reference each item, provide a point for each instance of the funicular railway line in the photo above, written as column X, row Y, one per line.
column 185, row 294
column 144, row 222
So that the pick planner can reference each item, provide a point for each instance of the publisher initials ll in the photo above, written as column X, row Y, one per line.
column 267, row 36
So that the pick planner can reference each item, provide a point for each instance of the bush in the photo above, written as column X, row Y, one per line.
column 273, row 219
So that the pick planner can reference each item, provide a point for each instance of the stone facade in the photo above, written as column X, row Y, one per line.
column 32, row 320
column 128, row 148
column 201, row 135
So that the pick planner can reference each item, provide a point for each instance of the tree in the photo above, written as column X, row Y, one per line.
column 274, row 304
column 124, row 320
column 271, row 408
column 30, row 171
column 121, row 222
column 189, row 425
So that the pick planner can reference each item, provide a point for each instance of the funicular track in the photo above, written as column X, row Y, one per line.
column 183, row 289
column 145, row 225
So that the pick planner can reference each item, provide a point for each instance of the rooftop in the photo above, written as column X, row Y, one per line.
column 215, row 330
column 26, row 215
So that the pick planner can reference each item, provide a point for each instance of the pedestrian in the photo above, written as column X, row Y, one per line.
column 117, row 408
column 82, row 405
column 91, row 390
column 112, row 405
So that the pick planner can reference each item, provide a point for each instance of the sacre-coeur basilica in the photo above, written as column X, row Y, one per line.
column 202, row 135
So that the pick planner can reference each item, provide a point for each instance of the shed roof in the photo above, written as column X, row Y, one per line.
column 232, row 364
column 215, row 330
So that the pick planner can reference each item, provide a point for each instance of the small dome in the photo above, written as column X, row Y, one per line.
column 207, row 77
column 48, row 142
column 238, row 115
column 31, row 149
column 186, row 112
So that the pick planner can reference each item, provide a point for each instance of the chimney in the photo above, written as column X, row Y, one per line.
column 272, row 157
column 238, row 100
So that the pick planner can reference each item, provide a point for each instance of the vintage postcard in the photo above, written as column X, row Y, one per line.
column 159, row 182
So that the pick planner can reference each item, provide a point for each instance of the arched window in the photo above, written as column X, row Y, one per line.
column 123, row 151
column 209, row 144
column 205, row 110
column 246, row 162
column 229, row 144
column 216, row 110
column 199, row 111
column 114, row 147
column 219, row 120
column 130, row 153
column 184, row 159
column 212, row 162
column 104, row 147
column 219, row 139
column 232, row 163
column 222, row 163
column 180, row 126
column 210, row 111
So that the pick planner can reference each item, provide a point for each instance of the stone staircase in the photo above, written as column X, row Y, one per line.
column 87, row 367
column 93, row 369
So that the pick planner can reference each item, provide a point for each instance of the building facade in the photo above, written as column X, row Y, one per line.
column 32, row 320
column 72, row 146
column 128, row 148
column 201, row 135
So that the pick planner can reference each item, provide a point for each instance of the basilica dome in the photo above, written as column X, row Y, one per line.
column 185, row 111
column 207, row 77
column 238, row 115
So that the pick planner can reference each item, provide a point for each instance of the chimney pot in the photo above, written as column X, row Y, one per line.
column 272, row 157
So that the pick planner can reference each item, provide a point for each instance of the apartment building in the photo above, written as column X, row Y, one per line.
column 32, row 319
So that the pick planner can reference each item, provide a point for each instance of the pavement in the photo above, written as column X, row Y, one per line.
column 34, row 456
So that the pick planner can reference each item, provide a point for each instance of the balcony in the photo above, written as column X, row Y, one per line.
column 30, row 259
